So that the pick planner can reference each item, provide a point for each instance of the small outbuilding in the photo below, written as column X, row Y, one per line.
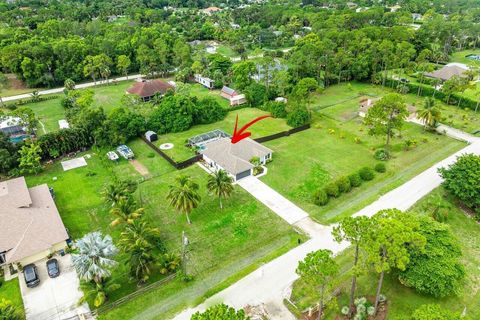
column 204, row 81
column 151, row 136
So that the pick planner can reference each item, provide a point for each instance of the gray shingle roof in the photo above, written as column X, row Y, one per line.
column 235, row 158
column 228, row 90
column 447, row 72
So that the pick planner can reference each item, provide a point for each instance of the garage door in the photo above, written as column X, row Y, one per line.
column 242, row 175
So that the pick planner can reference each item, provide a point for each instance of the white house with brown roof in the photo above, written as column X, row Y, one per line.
column 234, row 158
column 30, row 225
column 448, row 71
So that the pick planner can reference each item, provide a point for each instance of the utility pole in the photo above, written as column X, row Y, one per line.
column 184, row 253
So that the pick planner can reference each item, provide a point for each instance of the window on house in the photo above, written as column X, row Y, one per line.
column 2, row 258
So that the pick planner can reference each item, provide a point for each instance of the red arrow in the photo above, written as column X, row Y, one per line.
column 240, row 135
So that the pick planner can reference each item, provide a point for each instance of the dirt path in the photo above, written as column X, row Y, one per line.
column 139, row 167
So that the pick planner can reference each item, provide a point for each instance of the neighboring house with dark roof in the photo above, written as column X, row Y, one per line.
column 147, row 89
column 448, row 71
column 234, row 158
column 30, row 225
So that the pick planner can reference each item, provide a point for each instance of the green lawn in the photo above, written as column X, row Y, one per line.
column 200, row 91
column 310, row 159
column 266, row 127
column 10, row 290
column 50, row 111
column 402, row 300
column 222, row 242
column 461, row 57
column 226, row 51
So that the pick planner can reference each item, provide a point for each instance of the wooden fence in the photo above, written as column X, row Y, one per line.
column 177, row 165
column 109, row 306
column 282, row 134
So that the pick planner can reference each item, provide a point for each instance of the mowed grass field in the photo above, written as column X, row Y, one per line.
column 10, row 291
column 266, row 127
column 223, row 242
column 402, row 301
column 338, row 144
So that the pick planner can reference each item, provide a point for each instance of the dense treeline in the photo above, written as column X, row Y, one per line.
column 45, row 44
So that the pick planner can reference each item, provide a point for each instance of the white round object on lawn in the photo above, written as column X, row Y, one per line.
column 166, row 146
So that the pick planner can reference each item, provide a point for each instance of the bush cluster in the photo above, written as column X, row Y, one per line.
column 344, row 184
column 382, row 154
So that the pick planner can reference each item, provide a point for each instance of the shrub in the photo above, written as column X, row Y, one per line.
column 366, row 174
column 276, row 109
column 320, row 197
column 332, row 190
column 298, row 117
column 380, row 167
column 437, row 269
column 382, row 155
column 355, row 180
column 462, row 179
column 344, row 184
column 433, row 311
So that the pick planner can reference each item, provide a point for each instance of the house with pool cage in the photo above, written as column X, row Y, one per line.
column 219, row 153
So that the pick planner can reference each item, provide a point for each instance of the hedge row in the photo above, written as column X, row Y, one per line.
column 344, row 184
column 429, row 91
column 14, row 104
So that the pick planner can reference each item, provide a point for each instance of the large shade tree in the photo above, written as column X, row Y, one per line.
column 220, row 184
column 317, row 270
column 184, row 196
column 387, row 116
column 94, row 259
column 388, row 241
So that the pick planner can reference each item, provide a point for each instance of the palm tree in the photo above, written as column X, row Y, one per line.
column 430, row 114
column 126, row 211
column 93, row 260
column 118, row 189
column 184, row 196
column 97, row 292
column 220, row 183
column 139, row 240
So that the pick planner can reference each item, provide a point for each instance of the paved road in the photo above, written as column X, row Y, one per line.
column 267, row 285
column 59, row 90
column 451, row 132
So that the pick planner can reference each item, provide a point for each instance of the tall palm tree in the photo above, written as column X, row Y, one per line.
column 430, row 114
column 139, row 240
column 184, row 196
column 94, row 258
column 126, row 211
column 220, row 183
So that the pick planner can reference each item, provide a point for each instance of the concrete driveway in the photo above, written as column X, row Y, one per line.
column 53, row 299
column 273, row 200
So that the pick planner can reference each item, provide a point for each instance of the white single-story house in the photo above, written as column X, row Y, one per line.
column 204, row 81
column 234, row 158
column 31, row 227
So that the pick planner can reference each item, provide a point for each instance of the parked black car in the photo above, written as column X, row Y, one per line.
column 31, row 275
column 53, row 268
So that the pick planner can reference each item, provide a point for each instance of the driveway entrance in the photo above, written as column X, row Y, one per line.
column 53, row 298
